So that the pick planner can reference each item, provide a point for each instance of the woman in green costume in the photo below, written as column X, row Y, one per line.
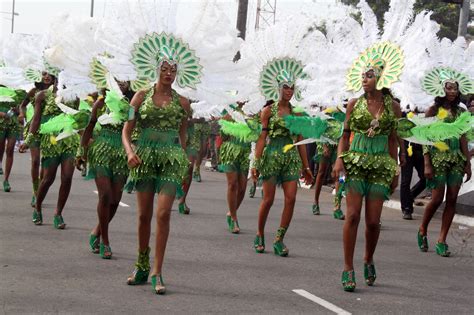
column 9, row 130
column 53, row 154
column 370, row 161
column 47, row 80
column 107, row 163
column 158, row 164
column 275, row 166
column 325, row 156
column 234, row 156
column 444, row 170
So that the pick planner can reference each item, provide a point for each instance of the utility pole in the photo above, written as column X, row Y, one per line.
column 241, row 22
column 92, row 8
column 13, row 16
column 242, row 17
column 464, row 18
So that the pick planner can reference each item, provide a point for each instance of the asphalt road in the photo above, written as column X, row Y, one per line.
column 209, row 270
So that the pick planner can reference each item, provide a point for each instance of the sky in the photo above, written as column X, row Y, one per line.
column 34, row 14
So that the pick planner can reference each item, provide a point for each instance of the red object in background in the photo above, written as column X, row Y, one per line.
column 218, row 141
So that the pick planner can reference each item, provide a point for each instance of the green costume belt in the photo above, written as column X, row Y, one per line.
column 164, row 163
column 370, row 169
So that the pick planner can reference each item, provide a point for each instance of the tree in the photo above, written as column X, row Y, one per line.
column 445, row 14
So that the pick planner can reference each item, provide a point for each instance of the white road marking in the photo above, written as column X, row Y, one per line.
column 121, row 203
column 321, row 302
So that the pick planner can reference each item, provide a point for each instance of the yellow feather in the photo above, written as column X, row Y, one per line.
column 53, row 140
column 442, row 113
column 441, row 146
column 410, row 115
column 287, row 147
column 410, row 150
column 329, row 110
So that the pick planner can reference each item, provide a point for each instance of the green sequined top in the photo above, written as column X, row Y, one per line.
column 360, row 119
column 277, row 125
column 161, row 118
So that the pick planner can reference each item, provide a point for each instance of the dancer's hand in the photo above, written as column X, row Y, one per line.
column 133, row 160
column 254, row 173
column 308, row 176
column 80, row 163
column 429, row 173
column 23, row 148
column 468, row 171
column 338, row 168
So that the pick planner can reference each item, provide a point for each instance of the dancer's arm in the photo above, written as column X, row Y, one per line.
column 36, row 121
column 183, row 128
column 132, row 159
column 429, row 173
column 87, row 135
column 344, row 140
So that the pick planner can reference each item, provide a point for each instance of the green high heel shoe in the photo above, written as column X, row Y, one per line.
column 6, row 186
column 422, row 242
column 94, row 243
column 338, row 214
column 442, row 249
column 279, row 248
column 58, row 222
column 33, row 201
column 37, row 217
column 157, row 284
column 259, row 244
column 252, row 191
column 142, row 268
column 316, row 210
column 369, row 274
column 183, row 208
column 229, row 221
column 348, row 281
column 105, row 251
column 234, row 226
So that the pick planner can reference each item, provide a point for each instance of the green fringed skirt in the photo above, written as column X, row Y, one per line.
column 106, row 156
column 164, row 163
column 277, row 166
column 370, row 169
column 10, row 128
column 448, row 166
column 234, row 156
column 54, row 153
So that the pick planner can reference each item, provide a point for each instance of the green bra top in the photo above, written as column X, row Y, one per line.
column 164, row 118
column 361, row 118
column 277, row 124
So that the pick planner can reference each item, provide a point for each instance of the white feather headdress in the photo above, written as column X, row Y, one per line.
column 153, row 34
column 273, row 55
column 24, row 60
column 347, row 39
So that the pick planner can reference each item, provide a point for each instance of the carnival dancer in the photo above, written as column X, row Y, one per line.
column 234, row 156
column 26, row 69
column 445, row 167
column 272, row 76
column 326, row 156
column 369, row 162
column 178, row 60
